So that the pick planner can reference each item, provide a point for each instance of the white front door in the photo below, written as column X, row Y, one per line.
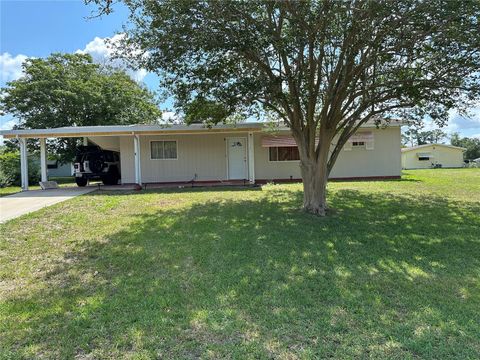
column 237, row 158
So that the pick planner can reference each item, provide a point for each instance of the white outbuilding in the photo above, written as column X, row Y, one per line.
column 432, row 155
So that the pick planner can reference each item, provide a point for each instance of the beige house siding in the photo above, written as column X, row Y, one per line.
column 443, row 155
column 106, row 142
column 268, row 170
column 410, row 160
column 203, row 155
column 383, row 160
column 449, row 157
column 204, row 158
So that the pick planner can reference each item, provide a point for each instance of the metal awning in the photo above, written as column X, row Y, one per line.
column 289, row 141
column 279, row 141
column 429, row 155
column 362, row 136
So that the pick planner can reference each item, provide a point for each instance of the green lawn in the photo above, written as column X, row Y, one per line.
column 62, row 181
column 394, row 272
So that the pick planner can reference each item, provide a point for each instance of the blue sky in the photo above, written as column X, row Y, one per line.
column 37, row 28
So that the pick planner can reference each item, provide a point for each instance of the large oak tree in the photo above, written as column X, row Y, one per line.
column 71, row 90
column 323, row 67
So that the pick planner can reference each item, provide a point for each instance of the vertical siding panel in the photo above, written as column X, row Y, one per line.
column 270, row 170
column 383, row 160
column 203, row 155
column 447, row 157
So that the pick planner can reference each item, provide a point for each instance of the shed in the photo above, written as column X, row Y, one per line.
column 432, row 155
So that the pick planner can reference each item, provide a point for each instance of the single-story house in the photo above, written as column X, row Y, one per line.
column 249, row 151
column 432, row 155
column 56, row 169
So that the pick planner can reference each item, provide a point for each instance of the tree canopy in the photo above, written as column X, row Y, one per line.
column 416, row 135
column 471, row 144
column 72, row 90
column 322, row 67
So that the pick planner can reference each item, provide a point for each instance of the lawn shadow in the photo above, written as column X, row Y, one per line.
column 180, row 189
column 385, row 276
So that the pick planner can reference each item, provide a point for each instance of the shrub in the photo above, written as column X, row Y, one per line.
column 10, row 170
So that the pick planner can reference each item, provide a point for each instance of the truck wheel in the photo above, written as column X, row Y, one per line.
column 112, row 177
column 81, row 181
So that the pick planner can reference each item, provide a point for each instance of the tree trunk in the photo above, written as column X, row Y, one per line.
column 315, row 177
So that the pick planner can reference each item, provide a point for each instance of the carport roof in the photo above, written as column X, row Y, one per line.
column 120, row 130
column 116, row 130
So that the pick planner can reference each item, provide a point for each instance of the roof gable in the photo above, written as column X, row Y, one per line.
column 429, row 145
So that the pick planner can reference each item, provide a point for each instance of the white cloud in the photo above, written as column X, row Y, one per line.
column 169, row 117
column 11, row 67
column 102, row 52
column 6, row 124
column 464, row 125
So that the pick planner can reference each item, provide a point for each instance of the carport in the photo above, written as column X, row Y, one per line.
column 77, row 132
column 119, row 133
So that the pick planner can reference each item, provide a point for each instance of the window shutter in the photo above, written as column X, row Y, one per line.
column 347, row 146
column 370, row 144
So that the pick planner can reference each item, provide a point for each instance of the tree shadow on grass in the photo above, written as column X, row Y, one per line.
column 385, row 276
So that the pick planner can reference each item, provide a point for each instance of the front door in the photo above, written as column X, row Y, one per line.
column 237, row 158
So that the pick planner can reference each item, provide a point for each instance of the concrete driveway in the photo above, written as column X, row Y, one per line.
column 21, row 203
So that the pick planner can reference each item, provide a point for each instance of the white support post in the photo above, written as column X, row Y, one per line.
column 85, row 141
column 43, row 159
column 136, row 152
column 251, row 159
column 23, row 163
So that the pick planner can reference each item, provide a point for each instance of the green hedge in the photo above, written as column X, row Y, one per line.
column 10, row 170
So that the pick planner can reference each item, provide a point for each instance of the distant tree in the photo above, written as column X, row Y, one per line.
column 204, row 111
column 323, row 67
column 471, row 144
column 416, row 136
column 10, row 169
column 411, row 136
column 436, row 136
column 71, row 90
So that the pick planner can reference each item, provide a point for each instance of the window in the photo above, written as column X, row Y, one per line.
column 358, row 143
column 284, row 153
column 424, row 156
column 53, row 165
column 160, row 150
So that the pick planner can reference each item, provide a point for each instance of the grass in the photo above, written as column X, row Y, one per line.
column 62, row 181
column 243, row 273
